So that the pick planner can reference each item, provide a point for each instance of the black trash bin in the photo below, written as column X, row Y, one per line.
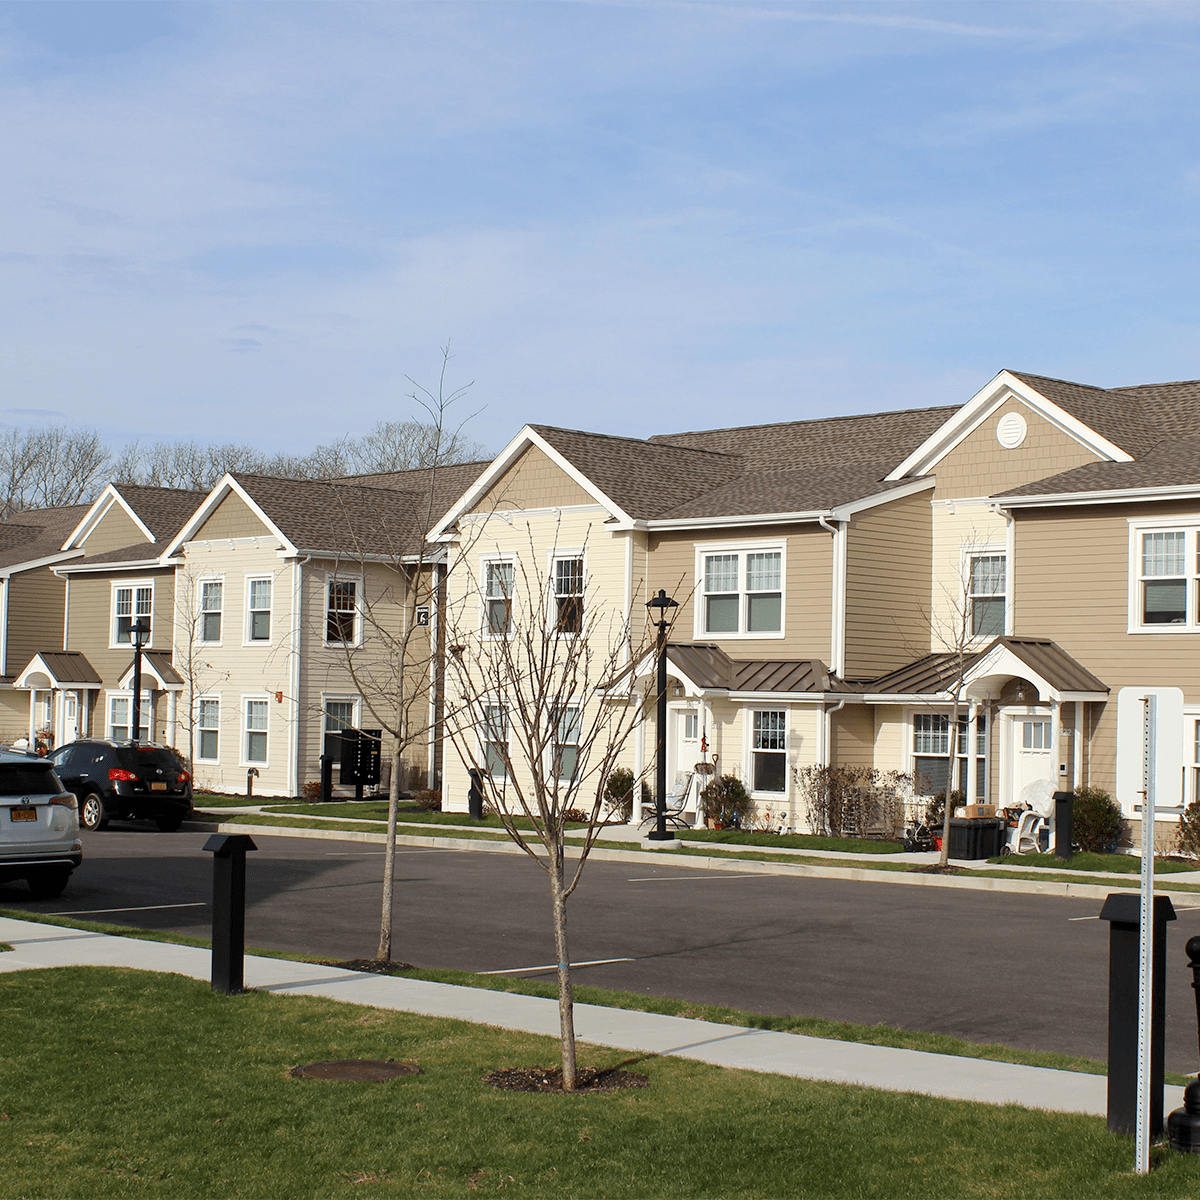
column 976, row 837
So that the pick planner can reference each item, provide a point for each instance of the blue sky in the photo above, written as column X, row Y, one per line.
column 249, row 222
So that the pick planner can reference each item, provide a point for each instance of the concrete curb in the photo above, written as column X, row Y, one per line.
column 1026, row 887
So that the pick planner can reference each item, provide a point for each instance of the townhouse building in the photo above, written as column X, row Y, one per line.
column 840, row 581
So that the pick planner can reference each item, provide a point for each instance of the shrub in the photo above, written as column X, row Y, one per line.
column 852, row 801
column 618, row 794
column 1097, row 820
column 428, row 799
column 726, row 801
column 1187, row 836
column 577, row 815
column 311, row 791
column 935, row 814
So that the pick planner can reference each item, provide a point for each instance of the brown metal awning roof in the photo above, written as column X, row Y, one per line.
column 708, row 668
column 64, row 668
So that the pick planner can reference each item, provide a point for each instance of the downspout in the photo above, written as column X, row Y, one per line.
column 4, row 624
column 827, row 729
column 293, row 781
column 837, row 616
column 1010, row 548
column 66, row 612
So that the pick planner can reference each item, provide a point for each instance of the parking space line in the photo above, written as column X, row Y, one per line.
column 596, row 962
column 83, row 912
column 699, row 875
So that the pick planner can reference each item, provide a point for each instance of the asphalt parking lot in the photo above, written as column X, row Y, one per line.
column 1024, row 971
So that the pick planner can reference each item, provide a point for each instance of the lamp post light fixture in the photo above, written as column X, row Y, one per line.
column 662, row 605
column 138, row 632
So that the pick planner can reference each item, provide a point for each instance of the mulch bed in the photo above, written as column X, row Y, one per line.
column 937, row 869
column 588, row 1080
column 372, row 966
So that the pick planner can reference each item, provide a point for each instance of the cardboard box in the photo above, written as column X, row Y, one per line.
column 971, row 811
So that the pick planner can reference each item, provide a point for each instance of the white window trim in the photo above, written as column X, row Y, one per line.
column 485, row 626
column 741, row 548
column 1190, row 525
column 484, row 742
column 340, row 698
column 200, row 638
column 578, row 706
column 244, row 731
column 748, row 749
column 116, row 585
column 330, row 579
column 145, row 713
column 553, row 557
column 209, row 696
column 258, row 577
column 985, row 549
column 990, row 745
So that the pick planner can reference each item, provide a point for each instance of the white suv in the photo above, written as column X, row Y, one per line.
column 39, row 825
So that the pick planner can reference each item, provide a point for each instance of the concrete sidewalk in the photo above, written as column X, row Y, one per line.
column 36, row 946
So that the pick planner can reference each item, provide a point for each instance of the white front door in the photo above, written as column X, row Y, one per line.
column 683, row 750
column 1032, row 742
column 70, row 717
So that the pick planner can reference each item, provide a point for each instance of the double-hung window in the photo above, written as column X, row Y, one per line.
column 339, row 715
column 568, row 594
column 341, row 612
column 131, row 603
column 567, row 724
column 256, row 730
column 741, row 593
column 208, row 724
column 931, row 747
column 119, row 718
column 498, row 592
column 258, row 616
column 495, row 740
column 770, row 750
column 1164, row 579
column 986, row 594
column 211, row 600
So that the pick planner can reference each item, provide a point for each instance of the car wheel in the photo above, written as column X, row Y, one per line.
column 168, row 824
column 48, row 884
column 92, row 813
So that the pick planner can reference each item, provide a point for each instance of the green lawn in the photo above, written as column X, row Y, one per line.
column 790, row 841
column 120, row 1083
column 203, row 800
column 1117, row 864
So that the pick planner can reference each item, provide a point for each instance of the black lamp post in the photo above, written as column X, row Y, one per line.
column 138, row 631
column 662, row 603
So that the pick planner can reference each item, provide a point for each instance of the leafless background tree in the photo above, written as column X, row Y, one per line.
column 541, row 703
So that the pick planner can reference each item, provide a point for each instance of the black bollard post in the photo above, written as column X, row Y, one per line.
column 229, row 910
column 1064, row 824
column 475, row 794
column 1123, row 911
column 326, row 778
column 1183, row 1125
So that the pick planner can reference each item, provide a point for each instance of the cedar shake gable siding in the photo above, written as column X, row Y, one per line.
column 533, row 481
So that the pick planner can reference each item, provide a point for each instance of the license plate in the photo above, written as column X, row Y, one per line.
column 23, row 814
column 158, row 787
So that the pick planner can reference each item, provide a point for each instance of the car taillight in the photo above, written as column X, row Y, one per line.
column 184, row 777
column 120, row 775
column 67, row 801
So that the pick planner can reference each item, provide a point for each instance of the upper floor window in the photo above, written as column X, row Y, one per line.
column 131, row 603
column 258, row 621
column 986, row 594
column 741, row 593
column 341, row 612
column 568, row 594
column 211, row 599
column 1164, row 579
column 498, row 592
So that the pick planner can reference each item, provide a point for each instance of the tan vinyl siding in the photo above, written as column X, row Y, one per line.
column 14, row 715
column 980, row 466
column 35, row 616
column 533, row 481
column 853, row 736
column 232, row 518
column 808, row 587
column 114, row 530
column 90, row 619
column 1071, row 578
column 888, row 578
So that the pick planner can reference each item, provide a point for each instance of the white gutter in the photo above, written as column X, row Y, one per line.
column 1107, row 496
column 294, row 653
column 628, row 654
column 4, row 586
column 827, row 730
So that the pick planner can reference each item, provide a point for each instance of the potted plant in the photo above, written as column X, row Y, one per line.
column 725, row 802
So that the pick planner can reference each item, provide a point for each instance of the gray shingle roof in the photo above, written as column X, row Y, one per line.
column 162, row 510
column 37, row 533
column 1169, row 464
column 137, row 553
column 438, row 488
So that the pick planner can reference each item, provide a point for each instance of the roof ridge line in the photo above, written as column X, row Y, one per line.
column 891, row 412
column 617, row 437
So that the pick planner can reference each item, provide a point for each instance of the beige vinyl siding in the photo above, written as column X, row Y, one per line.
column 35, row 616
column 853, row 736
column 533, row 481
column 888, row 579
column 959, row 529
column 113, row 531
column 14, row 714
column 1071, row 580
column 232, row 518
column 807, row 596
column 980, row 466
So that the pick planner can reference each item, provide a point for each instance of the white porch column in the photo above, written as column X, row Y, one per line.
column 32, row 718
column 1055, row 740
column 639, row 767
column 972, row 751
column 172, row 713
column 1077, row 764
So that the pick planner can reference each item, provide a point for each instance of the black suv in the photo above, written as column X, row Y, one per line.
column 125, row 779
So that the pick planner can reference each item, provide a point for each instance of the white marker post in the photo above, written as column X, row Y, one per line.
column 1141, row 1163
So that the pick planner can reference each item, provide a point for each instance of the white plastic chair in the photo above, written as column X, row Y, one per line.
column 676, row 801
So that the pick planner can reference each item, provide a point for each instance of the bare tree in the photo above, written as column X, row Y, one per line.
column 542, row 709
column 49, row 466
column 189, row 657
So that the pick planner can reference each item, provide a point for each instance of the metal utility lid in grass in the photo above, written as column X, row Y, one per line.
column 356, row 1070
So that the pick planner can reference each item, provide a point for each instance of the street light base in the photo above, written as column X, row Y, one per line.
column 651, row 842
